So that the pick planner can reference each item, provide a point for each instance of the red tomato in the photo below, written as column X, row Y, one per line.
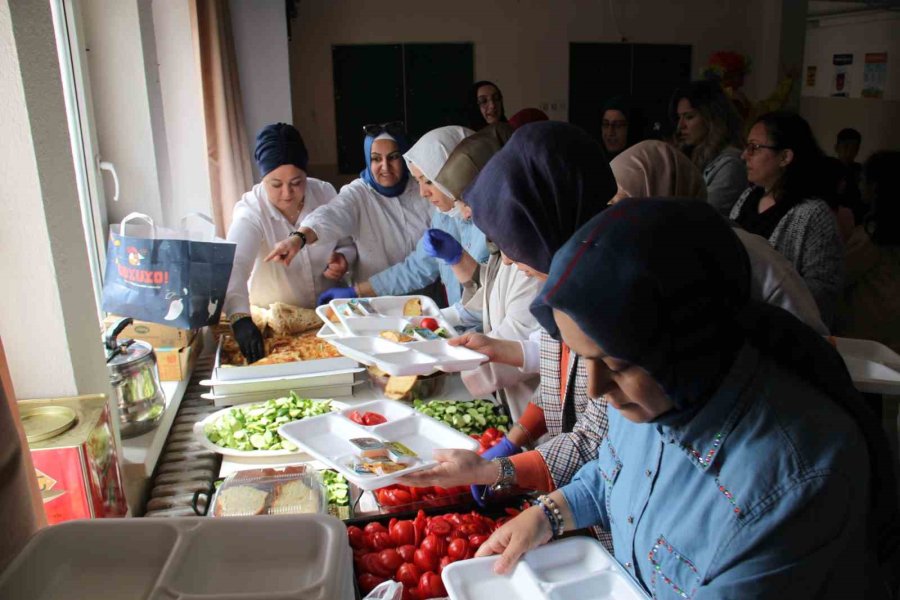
column 367, row 582
column 426, row 559
column 357, row 537
column 476, row 540
column 372, row 564
column 410, row 592
column 407, row 551
column 431, row 586
column 354, row 416
column 403, row 532
column 408, row 574
column 398, row 497
column 439, row 526
column 374, row 526
column 444, row 562
column 372, row 418
column 390, row 559
column 458, row 548
column 429, row 323
column 437, row 545
column 381, row 540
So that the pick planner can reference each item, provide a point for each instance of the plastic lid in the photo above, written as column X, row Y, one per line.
column 45, row 422
column 287, row 491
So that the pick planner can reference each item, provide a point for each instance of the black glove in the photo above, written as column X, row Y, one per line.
column 249, row 339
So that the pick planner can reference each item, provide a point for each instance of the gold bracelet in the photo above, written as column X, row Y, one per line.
column 528, row 435
column 232, row 318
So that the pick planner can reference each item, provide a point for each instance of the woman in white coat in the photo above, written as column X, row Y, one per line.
column 263, row 217
column 381, row 211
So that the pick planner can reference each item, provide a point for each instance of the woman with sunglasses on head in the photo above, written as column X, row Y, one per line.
column 782, row 205
column 740, row 461
column 381, row 211
column 487, row 105
column 263, row 217
column 419, row 269
column 709, row 130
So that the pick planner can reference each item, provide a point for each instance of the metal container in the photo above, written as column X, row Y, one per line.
column 135, row 381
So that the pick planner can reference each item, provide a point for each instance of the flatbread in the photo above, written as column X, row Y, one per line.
column 282, row 349
column 287, row 320
column 260, row 317
column 396, row 336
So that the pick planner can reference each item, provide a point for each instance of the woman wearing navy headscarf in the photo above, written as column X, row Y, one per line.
column 381, row 211
column 740, row 461
column 263, row 217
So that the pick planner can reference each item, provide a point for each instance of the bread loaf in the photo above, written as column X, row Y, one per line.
column 240, row 500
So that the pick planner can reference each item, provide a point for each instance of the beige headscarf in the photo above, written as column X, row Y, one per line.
column 654, row 169
column 470, row 156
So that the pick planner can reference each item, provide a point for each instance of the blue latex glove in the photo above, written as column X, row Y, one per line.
column 336, row 292
column 440, row 244
column 503, row 448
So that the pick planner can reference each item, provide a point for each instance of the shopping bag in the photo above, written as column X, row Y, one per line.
column 176, row 277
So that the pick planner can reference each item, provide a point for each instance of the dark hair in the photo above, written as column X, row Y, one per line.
column 722, row 119
column 476, row 119
column 636, row 122
column 882, row 176
column 849, row 134
column 800, row 180
column 831, row 172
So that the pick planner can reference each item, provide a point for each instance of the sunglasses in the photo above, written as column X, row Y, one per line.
column 393, row 128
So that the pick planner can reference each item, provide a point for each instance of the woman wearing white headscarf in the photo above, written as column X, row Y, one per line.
column 419, row 269
column 381, row 211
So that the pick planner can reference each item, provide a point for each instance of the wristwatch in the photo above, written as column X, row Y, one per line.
column 507, row 475
column 300, row 235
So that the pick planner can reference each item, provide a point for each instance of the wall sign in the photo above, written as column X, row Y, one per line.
column 874, row 75
column 841, row 82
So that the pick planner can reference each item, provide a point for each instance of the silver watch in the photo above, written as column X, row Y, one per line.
column 507, row 475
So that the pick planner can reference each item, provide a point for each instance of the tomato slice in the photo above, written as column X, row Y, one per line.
column 439, row 526
column 390, row 559
column 408, row 574
column 354, row 416
column 403, row 533
column 426, row 559
column 373, row 418
column 458, row 548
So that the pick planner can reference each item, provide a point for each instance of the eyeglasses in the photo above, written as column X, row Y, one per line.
column 393, row 128
column 752, row 148
column 613, row 124
column 495, row 98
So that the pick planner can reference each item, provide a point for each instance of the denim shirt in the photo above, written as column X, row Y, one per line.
column 763, row 493
column 418, row 269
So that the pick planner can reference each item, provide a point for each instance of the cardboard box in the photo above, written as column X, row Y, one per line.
column 175, row 364
column 158, row 336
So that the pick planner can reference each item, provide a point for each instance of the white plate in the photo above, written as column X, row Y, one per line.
column 200, row 434
column 570, row 569
column 327, row 438
column 388, row 306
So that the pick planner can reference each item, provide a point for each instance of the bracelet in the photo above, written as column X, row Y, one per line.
column 300, row 235
column 552, row 508
column 549, row 514
column 237, row 317
column 528, row 435
column 507, row 474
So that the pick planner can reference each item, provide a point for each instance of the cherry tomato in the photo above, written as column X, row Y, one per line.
column 407, row 551
column 458, row 548
column 444, row 562
column 374, row 526
column 367, row 582
column 439, row 526
column 426, row 559
column 403, row 532
column 437, row 545
column 354, row 416
column 357, row 537
column 476, row 540
column 410, row 592
column 398, row 497
column 408, row 574
column 429, row 323
column 372, row 418
column 430, row 585
column 372, row 564
column 390, row 559
column 381, row 540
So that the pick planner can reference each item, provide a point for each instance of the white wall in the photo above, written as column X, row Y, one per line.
column 523, row 45
column 47, row 311
column 261, row 45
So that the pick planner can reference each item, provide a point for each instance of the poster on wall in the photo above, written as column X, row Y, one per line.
column 811, row 76
column 841, row 83
column 874, row 75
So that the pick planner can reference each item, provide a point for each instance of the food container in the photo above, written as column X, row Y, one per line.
column 222, row 372
column 874, row 367
column 135, row 381
column 345, row 379
column 282, row 557
column 569, row 569
column 412, row 358
column 286, row 491
column 75, row 457
column 328, row 438
column 425, row 386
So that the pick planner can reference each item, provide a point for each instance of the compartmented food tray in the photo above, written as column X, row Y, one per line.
column 223, row 372
column 570, row 569
column 283, row 557
column 874, row 367
column 282, row 383
column 328, row 438
column 411, row 358
column 202, row 437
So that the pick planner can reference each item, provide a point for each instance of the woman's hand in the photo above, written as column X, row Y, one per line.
column 525, row 532
column 506, row 352
column 455, row 467
column 285, row 250
column 337, row 266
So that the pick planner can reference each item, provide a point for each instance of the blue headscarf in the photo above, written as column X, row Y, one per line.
column 548, row 180
column 366, row 174
column 280, row 144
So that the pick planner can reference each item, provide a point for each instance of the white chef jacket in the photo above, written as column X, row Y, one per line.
column 256, row 227
column 384, row 229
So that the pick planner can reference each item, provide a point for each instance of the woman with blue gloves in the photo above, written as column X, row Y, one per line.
column 419, row 269
column 381, row 211
column 740, row 461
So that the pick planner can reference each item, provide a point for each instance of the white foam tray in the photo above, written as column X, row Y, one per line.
column 281, row 557
column 200, row 435
column 327, row 438
column 411, row 358
column 299, row 367
column 283, row 383
column 577, row 568
column 325, row 391
column 874, row 367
